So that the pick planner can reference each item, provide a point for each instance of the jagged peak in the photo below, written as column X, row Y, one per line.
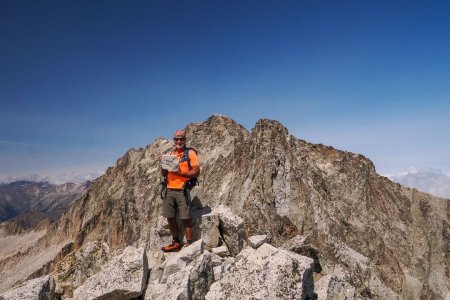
column 218, row 119
column 215, row 123
column 267, row 126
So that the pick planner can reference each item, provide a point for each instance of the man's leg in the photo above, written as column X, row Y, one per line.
column 169, row 211
column 188, row 230
column 184, row 206
column 173, row 227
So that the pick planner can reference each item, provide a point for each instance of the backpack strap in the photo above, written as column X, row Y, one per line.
column 186, row 157
column 188, row 185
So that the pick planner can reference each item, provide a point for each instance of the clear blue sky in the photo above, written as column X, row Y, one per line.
column 83, row 81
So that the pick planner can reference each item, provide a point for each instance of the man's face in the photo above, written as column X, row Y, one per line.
column 180, row 142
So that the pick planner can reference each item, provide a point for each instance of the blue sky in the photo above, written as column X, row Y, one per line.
column 83, row 81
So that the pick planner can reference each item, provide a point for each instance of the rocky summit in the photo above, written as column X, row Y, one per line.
column 276, row 217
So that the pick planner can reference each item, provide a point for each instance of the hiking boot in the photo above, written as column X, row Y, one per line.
column 174, row 247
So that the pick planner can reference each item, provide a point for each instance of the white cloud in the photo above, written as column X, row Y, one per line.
column 56, row 178
column 429, row 180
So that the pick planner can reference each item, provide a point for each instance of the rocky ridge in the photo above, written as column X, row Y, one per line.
column 358, row 228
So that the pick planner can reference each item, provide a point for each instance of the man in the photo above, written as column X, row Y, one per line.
column 177, row 197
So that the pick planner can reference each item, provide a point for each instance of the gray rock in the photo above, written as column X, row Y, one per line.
column 197, row 213
column 295, row 244
column 265, row 273
column 124, row 277
column 222, row 251
column 216, row 260
column 331, row 287
column 210, row 230
column 41, row 288
column 257, row 240
column 184, row 275
column 77, row 266
column 228, row 264
column 302, row 245
column 176, row 262
column 232, row 228
column 218, row 271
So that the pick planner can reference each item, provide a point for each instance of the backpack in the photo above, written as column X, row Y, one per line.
column 194, row 180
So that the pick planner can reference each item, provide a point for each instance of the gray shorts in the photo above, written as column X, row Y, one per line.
column 177, row 200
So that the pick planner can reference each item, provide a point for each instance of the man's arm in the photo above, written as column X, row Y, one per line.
column 194, row 172
column 195, row 166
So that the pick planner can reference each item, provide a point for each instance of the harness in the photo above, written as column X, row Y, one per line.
column 188, row 185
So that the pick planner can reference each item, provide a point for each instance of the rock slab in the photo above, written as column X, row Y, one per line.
column 331, row 287
column 265, row 273
column 124, row 277
column 257, row 240
column 221, row 251
column 184, row 275
column 210, row 230
column 39, row 288
column 77, row 266
column 231, row 227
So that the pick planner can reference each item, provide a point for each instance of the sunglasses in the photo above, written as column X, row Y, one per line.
column 179, row 139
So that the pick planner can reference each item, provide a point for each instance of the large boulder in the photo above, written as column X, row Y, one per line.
column 124, row 277
column 35, row 289
column 265, row 273
column 180, row 260
column 210, row 230
column 231, row 228
column 79, row 265
column 184, row 275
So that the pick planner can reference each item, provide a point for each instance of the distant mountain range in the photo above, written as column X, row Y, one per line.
column 27, row 203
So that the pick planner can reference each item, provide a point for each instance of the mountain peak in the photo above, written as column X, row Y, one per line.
column 271, row 125
column 281, row 187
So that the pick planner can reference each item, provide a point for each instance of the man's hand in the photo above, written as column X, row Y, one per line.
column 194, row 172
column 180, row 173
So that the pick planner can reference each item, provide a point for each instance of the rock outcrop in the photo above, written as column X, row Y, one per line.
column 265, row 273
column 259, row 271
column 331, row 287
column 183, row 275
column 122, row 278
column 79, row 265
column 41, row 288
column 385, row 240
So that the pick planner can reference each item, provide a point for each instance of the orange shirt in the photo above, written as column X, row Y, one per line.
column 176, row 182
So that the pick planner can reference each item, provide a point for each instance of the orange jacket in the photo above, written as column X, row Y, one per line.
column 176, row 182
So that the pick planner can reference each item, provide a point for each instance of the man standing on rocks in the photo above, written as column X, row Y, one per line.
column 178, row 184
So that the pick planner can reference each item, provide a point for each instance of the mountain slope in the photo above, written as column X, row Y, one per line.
column 27, row 203
column 385, row 239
